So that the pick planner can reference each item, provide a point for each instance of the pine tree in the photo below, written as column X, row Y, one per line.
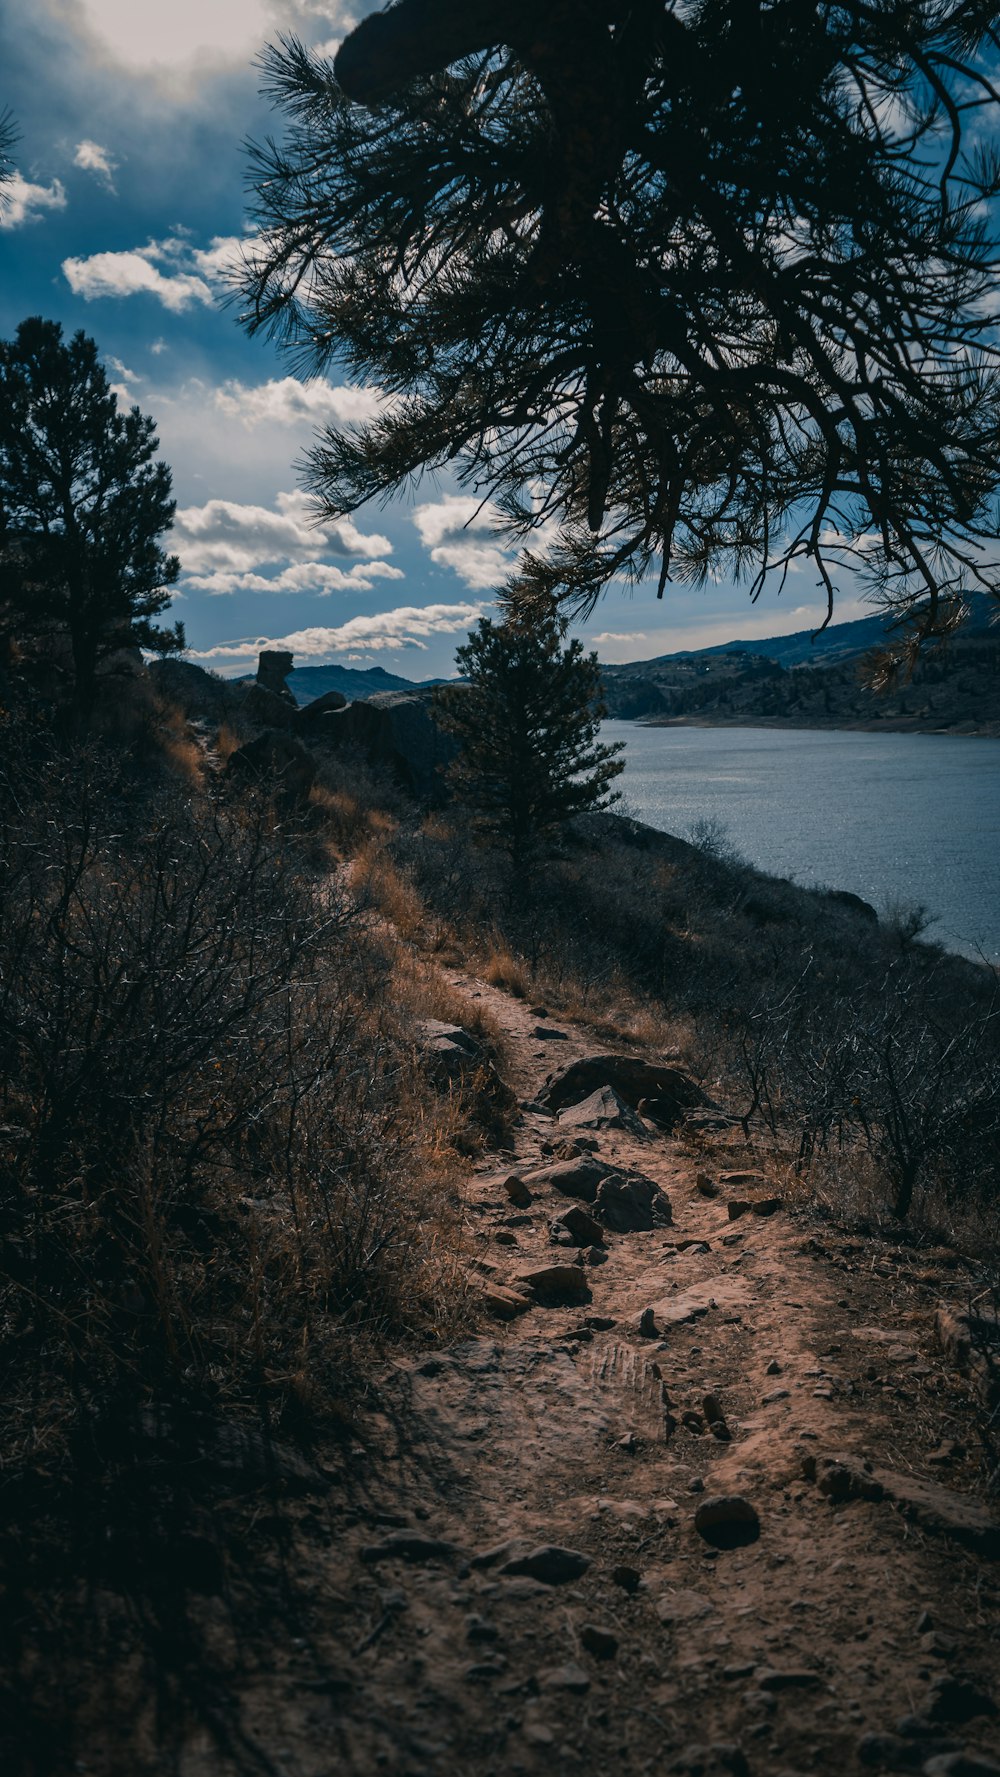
column 527, row 724
column 82, row 505
column 709, row 288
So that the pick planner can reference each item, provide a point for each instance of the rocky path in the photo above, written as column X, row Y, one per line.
column 513, row 1581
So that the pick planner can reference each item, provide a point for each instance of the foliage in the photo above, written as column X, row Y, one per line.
column 82, row 505
column 625, row 291
column 527, row 723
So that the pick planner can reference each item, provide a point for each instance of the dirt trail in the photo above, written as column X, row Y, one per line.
column 847, row 1636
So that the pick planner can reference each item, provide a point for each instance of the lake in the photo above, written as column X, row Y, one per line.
column 904, row 818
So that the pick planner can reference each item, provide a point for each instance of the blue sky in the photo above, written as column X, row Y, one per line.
column 127, row 209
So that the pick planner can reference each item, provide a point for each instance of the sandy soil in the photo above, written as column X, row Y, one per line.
column 852, row 1635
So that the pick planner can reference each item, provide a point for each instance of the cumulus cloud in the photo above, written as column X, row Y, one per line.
column 95, row 159
column 131, row 274
column 319, row 577
column 287, row 402
column 452, row 528
column 225, row 536
column 176, row 273
column 408, row 627
column 21, row 201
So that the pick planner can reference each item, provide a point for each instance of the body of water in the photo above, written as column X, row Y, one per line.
column 897, row 818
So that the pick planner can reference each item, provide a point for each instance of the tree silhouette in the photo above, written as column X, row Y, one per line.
column 709, row 288
column 82, row 505
column 527, row 724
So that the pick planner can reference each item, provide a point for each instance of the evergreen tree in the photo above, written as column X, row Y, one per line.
column 527, row 725
column 709, row 286
column 83, row 504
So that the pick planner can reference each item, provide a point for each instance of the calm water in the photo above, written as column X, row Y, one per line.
column 893, row 817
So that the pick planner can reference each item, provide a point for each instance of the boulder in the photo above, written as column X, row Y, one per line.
column 727, row 1520
column 581, row 1228
column 936, row 1509
column 668, row 1091
column 262, row 706
column 628, row 1203
column 552, row 1284
column 604, row 1109
column 277, row 760
column 451, row 1055
column 313, row 718
column 395, row 730
column 571, row 1178
column 273, row 668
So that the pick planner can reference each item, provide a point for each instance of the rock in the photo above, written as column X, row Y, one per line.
column 502, row 1303
column 581, row 1228
column 971, row 1341
column 578, row 1177
column 957, row 1700
column 552, row 1284
column 595, row 1255
column 773, row 1368
column 277, row 760
column 551, row 1564
column 727, row 1520
column 504, row 1237
column 602, row 1643
column 273, row 668
column 736, row 1207
column 396, row 730
column 732, row 1181
column 936, row 1509
column 683, row 1607
column 565, row 1678
column 449, row 1053
column 790, row 1679
column 516, row 1190
column 715, row 1418
column 706, row 1185
column 775, row 1394
column 604, row 1109
column 631, row 1078
column 628, row 1203
column 547, row 1033
column 479, row 1629
column 694, row 1246
column 693, row 1422
column 960, row 1764
column 200, row 695
column 409, row 1545
column 264, row 707
column 313, row 718
column 627, row 1578
column 766, row 1206
column 647, row 1327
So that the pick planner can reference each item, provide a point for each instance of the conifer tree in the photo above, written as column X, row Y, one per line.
column 527, row 724
column 708, row 287
column 83, row 503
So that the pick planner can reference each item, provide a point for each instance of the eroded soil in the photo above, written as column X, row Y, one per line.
column 847, row 1636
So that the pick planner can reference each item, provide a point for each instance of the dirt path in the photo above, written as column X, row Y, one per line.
column 857, row 1634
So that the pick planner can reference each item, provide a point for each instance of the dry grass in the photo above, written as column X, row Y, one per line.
column 378, row 883
column 501, row 968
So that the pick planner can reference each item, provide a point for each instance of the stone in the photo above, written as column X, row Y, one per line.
column 277, row 761
column 775, row 1394
column 631, row 1078
column 628, row 1203
column 601, row 1642
column 715, row 1418
column 766, row 1206
column 397, row 731
column 732, row 1181
column 727, row 1520
column 577, row 1177
column 773, row 1368
column 647, row 1327
column 595, row 1255
column 504, row 1237
column 547, row 1033
column 502, row 1303
column 516, row 1189
column 409, row 1545
column 706, row 1186
column 604, row 1109
column 478, row 1629
column 550, row 1564
column 313, row 717
column 570, row 1677
column 553, row 1284
column 960, row 1764
column 683, row 1606
column 957, row 1700
column 273, row 668
column 581, row 1228
column 790, row 1679
column 936, row 1509
column 626, row 1577
column 736, row 1207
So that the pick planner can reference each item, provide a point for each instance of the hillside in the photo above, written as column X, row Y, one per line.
column 954, row 690
column 309, row 682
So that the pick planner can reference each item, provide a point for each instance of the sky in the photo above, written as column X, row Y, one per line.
column 128, row 207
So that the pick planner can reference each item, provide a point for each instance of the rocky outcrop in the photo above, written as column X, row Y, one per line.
column 273, row 668
column 664, row 1092
column 397, row 731
column 313, row 719
column 277, row 760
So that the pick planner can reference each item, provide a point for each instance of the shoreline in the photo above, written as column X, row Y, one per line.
column 887, row 726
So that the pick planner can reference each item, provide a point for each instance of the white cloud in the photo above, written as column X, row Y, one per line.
column 319, row 577
column 287, row 402
column 131, row 274
column 21, row 201
column 226, row 537
column 95, row 159
column 191, row 274
column 448, row 530
column 618, row 635
column 410, row 626
column 144, row 34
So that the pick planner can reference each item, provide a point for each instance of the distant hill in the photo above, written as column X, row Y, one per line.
column 354, row 683
column 795, row 682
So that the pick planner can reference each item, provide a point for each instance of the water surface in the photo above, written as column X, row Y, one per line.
column 897, row 818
